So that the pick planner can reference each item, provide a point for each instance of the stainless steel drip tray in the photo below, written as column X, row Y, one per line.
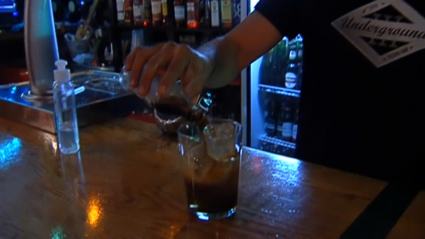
column 93, row 105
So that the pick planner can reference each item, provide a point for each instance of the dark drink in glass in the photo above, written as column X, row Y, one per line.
column 212, row 191
column 211, row 164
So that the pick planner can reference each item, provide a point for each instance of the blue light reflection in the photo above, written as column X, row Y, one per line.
column 58, row 233
column 286, row 169
column 9, row 150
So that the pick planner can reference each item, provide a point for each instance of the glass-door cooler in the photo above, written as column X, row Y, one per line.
column 274, row 85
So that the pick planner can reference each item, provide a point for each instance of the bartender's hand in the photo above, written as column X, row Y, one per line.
column 172, row 62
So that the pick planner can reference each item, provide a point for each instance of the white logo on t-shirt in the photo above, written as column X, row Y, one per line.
column 384, row 30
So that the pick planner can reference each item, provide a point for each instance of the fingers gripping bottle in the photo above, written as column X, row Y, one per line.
column 176, row 93
column 65, row 110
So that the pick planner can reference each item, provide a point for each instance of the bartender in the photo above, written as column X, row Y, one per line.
column 362, row 107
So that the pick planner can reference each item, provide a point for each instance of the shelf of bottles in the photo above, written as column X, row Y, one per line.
column 281, row 68
column 280, row 75
column 280, row 125
column 191, row 16
column 277, row 146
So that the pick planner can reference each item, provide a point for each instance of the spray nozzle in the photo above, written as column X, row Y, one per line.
column 62, row 74
column 61, row 64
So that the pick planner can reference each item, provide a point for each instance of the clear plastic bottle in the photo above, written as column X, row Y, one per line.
column 65, row 110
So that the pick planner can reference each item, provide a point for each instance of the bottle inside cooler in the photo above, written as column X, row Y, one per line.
column 279, row 78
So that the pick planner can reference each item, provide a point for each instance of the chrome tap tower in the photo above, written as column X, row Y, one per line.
column 41, row 48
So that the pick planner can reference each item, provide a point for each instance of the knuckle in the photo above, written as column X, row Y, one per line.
column 168, row 45
column 174, row 68
column 151, row 64
column 175, row 65
column 183, row 49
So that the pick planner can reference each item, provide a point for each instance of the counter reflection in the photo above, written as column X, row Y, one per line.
column 9, row 152
column 72, row 173
column 94, row 211
column 58, row 233
column 50, row 142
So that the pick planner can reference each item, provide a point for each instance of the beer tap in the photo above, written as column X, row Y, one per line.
column 41, row 49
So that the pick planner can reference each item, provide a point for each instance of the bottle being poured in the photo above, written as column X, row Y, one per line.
column 171, row 110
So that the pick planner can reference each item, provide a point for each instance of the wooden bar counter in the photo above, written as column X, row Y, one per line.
column 412, row 223
column 126, row 184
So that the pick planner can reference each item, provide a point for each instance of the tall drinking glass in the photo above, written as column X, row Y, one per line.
column 211, row 162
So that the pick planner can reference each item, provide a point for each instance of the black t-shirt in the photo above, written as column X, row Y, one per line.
column 363, row 90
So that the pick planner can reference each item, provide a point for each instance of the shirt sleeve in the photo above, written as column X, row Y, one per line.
column 285, row 15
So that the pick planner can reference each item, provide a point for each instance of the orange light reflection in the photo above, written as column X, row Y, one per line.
column 94, row 211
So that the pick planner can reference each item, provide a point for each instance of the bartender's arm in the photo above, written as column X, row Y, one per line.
column 212, row 65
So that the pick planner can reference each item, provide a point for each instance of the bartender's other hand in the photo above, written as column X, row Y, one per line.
column 171, row 61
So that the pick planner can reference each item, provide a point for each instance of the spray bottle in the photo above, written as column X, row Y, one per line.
column 65, row 110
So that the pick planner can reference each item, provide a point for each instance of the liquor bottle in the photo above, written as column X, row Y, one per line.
column 285, row 51
column 128, row 12
column 300, row 55
column 179, row 13
column 280, row 119
column 265, row 68
column 276, row 67
column 270, row 120
column 291, row 75
column 299, row 76
column 263, row 146
column 192, row 11
column 204, row 13
column 287, row 124
column 300, row 47
column 280, row 61
column 284, row 151
column 156, row 13
column 120, row 11
column 215, row 13
column 147, row 21
column 295, row 126
column 226, row 13
column 275, row 149
column 293, row 50
column 188, row 39
column 164, row 8
column 292, row 68
column 236, row 12
column 138, row 12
